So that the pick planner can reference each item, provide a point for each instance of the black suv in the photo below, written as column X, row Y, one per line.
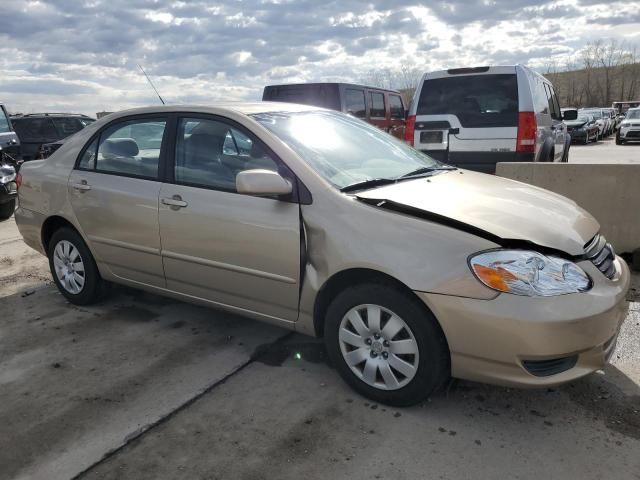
column 38, row 129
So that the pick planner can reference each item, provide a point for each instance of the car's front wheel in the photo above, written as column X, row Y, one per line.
column 386, row 345
column 73, row 268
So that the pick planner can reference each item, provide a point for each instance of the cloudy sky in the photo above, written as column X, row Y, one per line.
column 81, row 55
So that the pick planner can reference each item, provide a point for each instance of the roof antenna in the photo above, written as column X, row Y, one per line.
column 151, row 83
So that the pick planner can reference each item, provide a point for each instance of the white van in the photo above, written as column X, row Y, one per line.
column 476, row 117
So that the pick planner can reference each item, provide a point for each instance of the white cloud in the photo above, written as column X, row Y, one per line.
column 81, row 55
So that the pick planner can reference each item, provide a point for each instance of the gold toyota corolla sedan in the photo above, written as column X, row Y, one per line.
column 411, row 270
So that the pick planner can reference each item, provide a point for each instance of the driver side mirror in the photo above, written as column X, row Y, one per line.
column 262, row 182
column 570, row 115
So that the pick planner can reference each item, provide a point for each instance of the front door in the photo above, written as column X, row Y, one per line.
column 114, row 194
column 231, row 249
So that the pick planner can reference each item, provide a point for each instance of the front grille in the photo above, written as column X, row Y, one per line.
column 602, row 255
column 633, row 133
column 546, row 368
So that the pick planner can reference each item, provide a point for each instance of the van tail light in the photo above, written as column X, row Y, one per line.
column 527, row 131
column 409, row 129
column 18, row 180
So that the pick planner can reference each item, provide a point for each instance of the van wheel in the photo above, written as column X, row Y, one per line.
column 73, row 268
column 386, row 345
column 7, row 209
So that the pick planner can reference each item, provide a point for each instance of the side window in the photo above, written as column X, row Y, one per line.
column 88, row 159
column 35, row 129
column 354, row 100
column 48, row 131
column 4, row 121
column 555, row 114
column 396, row 107
column 131, row 148
column 210, row 153
column 376, row 104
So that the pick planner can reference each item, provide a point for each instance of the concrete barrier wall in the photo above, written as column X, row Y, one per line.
column 610, row 192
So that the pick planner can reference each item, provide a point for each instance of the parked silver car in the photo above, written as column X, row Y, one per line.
column 476, row 117
column 629, row 130
column 313, row 220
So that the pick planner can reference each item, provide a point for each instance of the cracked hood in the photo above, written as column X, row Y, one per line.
column 504, row 208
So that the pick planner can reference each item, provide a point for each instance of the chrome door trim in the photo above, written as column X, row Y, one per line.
column 129, row 246
column 226, row 266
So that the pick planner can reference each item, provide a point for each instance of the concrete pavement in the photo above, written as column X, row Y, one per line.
column 145, row 387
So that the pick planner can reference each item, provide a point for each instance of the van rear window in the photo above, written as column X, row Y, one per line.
column 477, row 100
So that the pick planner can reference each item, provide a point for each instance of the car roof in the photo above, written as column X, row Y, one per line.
column 321, row 84
column 51, row 115
column 247, row 108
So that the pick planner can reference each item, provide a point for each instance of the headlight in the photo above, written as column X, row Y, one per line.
column 524, row 272
column 8, row 178
column 623, row 127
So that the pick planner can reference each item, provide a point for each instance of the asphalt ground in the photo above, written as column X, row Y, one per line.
column 141, row 387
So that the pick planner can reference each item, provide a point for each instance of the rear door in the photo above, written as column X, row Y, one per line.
column 464, row 114
column 232, row 249
column 114, row 194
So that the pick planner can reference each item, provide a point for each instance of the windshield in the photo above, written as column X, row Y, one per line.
column 633, row 114
column 343, row 149
column 582, row 119
column 4, row 122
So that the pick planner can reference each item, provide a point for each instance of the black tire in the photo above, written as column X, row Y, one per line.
column 618, row 140
column 94, row 286
column 7, row 209
column 433, row 366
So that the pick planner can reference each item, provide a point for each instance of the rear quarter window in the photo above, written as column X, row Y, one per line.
column 477, row 100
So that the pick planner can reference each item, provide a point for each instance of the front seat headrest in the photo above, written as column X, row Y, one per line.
column 120, row 147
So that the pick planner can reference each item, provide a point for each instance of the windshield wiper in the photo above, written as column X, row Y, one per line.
column 374, row 182
column 378, row 182
column 424, row 171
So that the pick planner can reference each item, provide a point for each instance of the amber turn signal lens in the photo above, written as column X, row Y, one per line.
column 497, row 278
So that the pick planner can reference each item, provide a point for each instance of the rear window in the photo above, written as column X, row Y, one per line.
column 325, row 96
column 477, row 100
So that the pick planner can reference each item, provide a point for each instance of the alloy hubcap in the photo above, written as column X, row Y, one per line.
column 379, row 347
column 69, row 267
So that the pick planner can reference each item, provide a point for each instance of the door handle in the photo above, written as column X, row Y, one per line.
column 83, row 186
column 175, row 201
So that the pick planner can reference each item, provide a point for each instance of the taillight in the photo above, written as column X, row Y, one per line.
column 527, row 132
column 409, row 129
column 18, row 180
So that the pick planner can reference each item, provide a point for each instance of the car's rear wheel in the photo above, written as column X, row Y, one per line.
column 386, row 345
column 73, row 268
column 7, row 209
